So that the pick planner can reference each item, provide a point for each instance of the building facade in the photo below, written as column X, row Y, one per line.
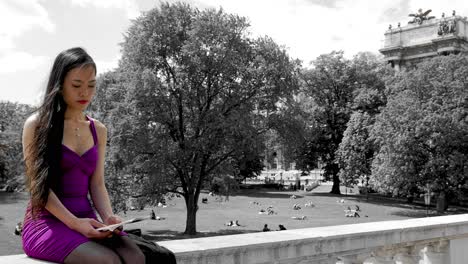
column 424, row 37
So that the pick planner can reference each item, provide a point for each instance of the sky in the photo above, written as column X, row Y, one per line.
column 33, row 32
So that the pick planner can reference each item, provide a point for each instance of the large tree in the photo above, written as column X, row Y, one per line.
column 198, row 91
column 422, row 132
column 356, row 150
column 330, row 84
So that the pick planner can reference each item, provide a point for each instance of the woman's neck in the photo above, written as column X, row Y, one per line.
column 74, row 115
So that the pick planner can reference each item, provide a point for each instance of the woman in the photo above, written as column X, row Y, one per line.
column 64, row 154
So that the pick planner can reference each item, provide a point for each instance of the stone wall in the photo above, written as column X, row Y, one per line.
column 434, row 240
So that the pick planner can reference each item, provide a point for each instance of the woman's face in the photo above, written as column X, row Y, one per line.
column 79, row 87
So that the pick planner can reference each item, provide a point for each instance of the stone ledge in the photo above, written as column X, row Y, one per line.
column 294, row 246
column 20, row 259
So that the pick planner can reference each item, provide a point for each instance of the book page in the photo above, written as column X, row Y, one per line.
column 115, row 226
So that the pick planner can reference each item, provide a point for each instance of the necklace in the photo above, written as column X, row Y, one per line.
column 77, row 132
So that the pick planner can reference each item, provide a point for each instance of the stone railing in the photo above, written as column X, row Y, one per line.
column 431, row 240
column 434, row 240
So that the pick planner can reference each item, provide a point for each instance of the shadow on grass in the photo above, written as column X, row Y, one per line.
column 161, row 235
column 266, row 193
column 415, row 214
column 376, row 199
column 415, row 209
column 430, row 212
column 13, row 197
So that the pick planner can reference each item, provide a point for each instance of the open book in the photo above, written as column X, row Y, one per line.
column 115, row 226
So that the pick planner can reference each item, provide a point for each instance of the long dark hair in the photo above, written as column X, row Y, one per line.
column 45, row 151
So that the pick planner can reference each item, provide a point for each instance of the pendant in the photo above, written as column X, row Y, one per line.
column 77, row 132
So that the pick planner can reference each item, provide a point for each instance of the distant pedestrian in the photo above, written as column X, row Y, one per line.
column 281, row 227
column 19, row 228
column 265, row 228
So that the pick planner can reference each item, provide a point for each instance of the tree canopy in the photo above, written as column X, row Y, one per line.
column 422, row 132
column 12, row 118
column 356, row 150
column 197, row 93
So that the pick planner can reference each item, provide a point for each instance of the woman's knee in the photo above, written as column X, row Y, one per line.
column 107, row 259
column 95, row 259
column 140, row 257
column 129, row 251
column 92, row 253
column 133, row 255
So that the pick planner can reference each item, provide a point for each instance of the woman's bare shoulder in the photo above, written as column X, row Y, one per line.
column 31, row 121
column 101, row 129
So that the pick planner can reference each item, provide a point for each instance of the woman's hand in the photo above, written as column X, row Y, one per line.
column 88, row 226
column 114, row 219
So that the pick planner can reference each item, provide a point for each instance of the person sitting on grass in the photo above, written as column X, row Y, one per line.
column 351, row 213
column 265, row 228
column 19, row 228
column 299, row 217
column 281, row 227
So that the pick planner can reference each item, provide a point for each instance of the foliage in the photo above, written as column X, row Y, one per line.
column 11, row 152
column 422, row 132
column 330, row 85
column 196, row 93
column 356, row 150
column 224, row 185
column 289, row 130
column 355, row 153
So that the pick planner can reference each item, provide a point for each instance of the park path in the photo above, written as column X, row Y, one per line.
column 12, row 208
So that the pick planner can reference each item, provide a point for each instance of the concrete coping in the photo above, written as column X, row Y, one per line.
column 318, row 241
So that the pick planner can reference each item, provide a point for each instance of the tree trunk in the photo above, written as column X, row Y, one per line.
column 336, row 179
column 442, row 203
column 191, row 222
column 336, row 185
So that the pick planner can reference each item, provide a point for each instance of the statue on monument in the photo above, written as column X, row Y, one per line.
column 419, row 17
column 447, row 26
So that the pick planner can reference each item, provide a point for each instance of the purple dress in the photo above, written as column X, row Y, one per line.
column 46, row 237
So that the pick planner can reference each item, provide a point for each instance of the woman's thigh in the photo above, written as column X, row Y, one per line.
column 92, row 252
column 129, row 251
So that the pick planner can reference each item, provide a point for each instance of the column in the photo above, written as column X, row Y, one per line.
column 407, row 254
column 436, row 253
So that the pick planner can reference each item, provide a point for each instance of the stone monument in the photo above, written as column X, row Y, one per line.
column 424, row 37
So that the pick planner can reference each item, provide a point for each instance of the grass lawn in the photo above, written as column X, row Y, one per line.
column 211, row 217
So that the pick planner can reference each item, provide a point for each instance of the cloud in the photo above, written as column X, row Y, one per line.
column 336, row 38
column 107, row 65
column 16, row 61
column 395, row 12
column 324, row 3
column 18, row 16
column 130, row 6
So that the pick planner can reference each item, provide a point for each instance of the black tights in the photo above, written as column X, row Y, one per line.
column 115, row 250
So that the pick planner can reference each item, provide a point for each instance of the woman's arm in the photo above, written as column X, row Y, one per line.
column 98, row 188
column 86, row 226
column 54, row 205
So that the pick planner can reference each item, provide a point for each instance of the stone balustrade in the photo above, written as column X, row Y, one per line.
column 431, row 240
